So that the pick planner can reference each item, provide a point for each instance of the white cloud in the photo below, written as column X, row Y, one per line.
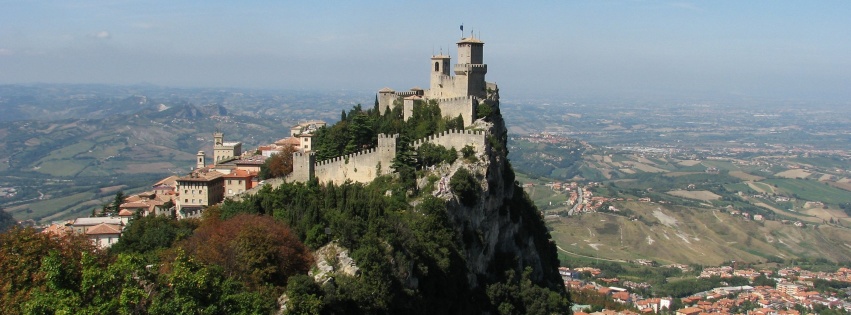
column 6, row 52
column 101, row 35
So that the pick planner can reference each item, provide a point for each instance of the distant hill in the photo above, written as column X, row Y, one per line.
column 697, row 213
column 67, row 148
column 694, row 236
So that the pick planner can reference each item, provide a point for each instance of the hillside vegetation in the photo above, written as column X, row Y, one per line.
column 697, row 208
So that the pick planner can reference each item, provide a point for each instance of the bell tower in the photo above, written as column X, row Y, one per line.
column 441, row 78
column 201, row 160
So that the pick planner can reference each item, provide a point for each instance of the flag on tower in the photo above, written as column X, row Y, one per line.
column 462, row 27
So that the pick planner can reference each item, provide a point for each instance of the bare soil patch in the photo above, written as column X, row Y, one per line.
column 689, row 162
column 795, row 173
column 675, row 174
column 745, row 176
column 843, row 185
column 703, row 195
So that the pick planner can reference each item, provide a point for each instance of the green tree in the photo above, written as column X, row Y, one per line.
column 6, row 221
column 465, row 186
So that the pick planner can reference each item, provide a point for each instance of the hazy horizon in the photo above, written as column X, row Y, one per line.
column 797, row 51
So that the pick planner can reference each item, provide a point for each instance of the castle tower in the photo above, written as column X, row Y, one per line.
column 441, row 79
column 201, row 160
column 470, row 69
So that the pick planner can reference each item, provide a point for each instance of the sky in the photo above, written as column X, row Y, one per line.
column 798, row 50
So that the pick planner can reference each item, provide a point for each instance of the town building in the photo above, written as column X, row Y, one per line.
column 198, row 190
column 222, row 150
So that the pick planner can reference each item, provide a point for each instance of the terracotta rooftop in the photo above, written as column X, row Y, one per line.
column 289, row 140
column 201, row 176
column 169, row 181
column 104, row 228
column 57, row 229
column 238, row 174
column 96, row 221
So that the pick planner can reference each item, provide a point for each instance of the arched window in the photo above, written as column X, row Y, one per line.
column 436, row 66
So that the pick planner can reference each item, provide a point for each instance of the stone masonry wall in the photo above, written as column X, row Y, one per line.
column 464, row 106
column 360, row 167
column 457, row 139
column 365, row 166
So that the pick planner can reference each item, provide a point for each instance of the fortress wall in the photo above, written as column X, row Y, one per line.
column 359, row 167
column 303, row 167
column 457, row 139
column 464, row 106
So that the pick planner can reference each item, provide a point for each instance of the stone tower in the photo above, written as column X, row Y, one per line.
column 441, row 78
column 201, row 160
column 218, row 138
column 224, row 150
column 470, row 69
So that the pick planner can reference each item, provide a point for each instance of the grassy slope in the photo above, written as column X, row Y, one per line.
column 699, row 236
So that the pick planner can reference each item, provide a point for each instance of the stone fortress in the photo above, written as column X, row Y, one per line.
column 458, row 95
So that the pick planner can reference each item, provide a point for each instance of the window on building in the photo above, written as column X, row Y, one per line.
column 436, row 66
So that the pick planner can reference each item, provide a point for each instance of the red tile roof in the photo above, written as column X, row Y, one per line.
column 103, row 228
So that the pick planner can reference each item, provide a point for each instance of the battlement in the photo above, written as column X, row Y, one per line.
column 347, row 157
column 457, row 139
column 470, row 68
column 456, row 99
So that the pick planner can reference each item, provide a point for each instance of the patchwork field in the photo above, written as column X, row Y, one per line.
column 794, row 173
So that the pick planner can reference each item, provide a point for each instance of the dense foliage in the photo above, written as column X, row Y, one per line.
column 149, row 273
column 412, row 256
column 279, row 164
column 465, row 186
column 359, row 129
column 6, row 220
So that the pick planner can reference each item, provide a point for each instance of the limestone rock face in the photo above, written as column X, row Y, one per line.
column 502, row 230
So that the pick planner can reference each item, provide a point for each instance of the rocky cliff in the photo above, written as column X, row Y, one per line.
column 502, row 230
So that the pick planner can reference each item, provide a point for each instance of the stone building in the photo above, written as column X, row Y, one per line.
column 199, row 189
column 222, row 150
column 458, row 94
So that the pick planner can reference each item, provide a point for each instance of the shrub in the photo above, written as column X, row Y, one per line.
column 465, row 186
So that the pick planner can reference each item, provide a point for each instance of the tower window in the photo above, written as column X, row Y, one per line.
column 436, row 66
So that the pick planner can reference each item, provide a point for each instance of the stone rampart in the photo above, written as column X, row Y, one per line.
column 464, row 106
column 360, row 167
column 365, row 166
column 457, row 139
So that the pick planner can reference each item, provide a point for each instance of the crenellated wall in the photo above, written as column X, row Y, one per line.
column 365, row 166
column 360, row 167
column 457, row 139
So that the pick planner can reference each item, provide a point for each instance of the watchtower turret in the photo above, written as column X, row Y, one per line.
column 470, row 69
